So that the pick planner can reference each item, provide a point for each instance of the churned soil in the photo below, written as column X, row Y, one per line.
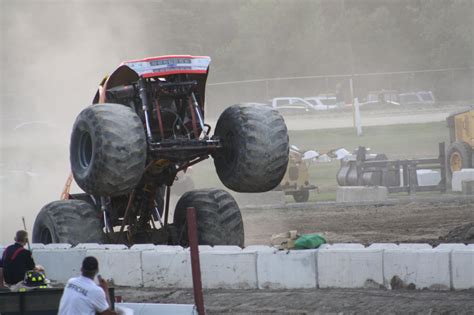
column 416, row 219
column 434, row 220
column 313, row 301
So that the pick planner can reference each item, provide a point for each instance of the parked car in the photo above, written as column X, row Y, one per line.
column 255, row 104
column 291, row 105
column 382, row 97
column 322, row 102
column 417, row 98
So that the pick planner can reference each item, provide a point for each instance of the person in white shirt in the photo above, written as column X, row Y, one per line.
column 83, row 296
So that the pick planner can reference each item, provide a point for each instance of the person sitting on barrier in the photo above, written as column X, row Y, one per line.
column 16, row 260
column 82, row 295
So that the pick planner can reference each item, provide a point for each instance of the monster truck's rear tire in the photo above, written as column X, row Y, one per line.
column 254, row 156
column 68, row 221
column 108, row 149
column 219, row 221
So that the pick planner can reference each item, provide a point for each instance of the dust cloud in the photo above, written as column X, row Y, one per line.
column 53, row 55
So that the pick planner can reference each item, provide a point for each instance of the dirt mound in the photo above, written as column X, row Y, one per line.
column 460, row 234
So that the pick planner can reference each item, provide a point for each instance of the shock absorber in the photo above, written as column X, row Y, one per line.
column 144, row 98
column 198, row 111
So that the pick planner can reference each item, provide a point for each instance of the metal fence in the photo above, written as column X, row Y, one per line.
column 447, row 85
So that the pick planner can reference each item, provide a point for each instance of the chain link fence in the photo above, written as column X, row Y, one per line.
column 447, row 85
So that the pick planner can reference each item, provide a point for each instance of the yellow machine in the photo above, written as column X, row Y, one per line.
column 460, row 152
column 296, row 179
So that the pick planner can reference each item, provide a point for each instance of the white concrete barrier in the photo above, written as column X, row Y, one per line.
column 428, row 177
column 259, row 248
column 448, row 266
column 119, row 264
column 345, row 246
column 462, row 268
column 286, row 269
column 414, row 246
column 466, row 174
column 350, row 267
column 34, row 246
column 417, row 268
column 361, row 194
column 60, row 261
column 382, row 245
column 228, row 267
column 166, row 268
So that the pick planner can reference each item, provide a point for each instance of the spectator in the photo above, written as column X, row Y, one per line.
column 16, row 260
column 83, row 296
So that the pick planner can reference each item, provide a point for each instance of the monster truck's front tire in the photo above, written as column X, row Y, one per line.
column 108, row 149
column 219, row 221
column 68, row 221
column 254, row 156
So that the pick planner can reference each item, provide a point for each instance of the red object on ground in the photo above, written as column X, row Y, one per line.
column 195, row 265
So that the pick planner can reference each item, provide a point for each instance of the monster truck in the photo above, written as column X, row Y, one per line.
column 145, row 125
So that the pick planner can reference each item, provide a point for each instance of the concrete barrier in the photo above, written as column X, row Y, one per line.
column 428, row 177
column 60, row 261
column 350, row 267
column 466, row 174
column 228, row 267
column 119, row 265
column 414, row 246
column 294, row 269
column 166, row 268
column 34, row 246
column 361, row 194
column 448, row 266
column 406, row 267
column 462, row 268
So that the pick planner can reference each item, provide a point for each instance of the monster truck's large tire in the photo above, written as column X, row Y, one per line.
column 68, row 221
column 459, row 156
column 255, row 148
column 108, row 149
column 219, row 221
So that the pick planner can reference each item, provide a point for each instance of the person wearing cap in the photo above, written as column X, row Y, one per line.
column 16, row 260
column 82, row 295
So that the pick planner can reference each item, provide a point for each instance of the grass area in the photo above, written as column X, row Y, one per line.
column 396, row 141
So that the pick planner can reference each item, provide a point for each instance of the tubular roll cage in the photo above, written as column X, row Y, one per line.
column 201, row 145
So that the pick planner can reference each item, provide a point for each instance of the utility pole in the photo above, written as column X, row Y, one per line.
column 348, row 38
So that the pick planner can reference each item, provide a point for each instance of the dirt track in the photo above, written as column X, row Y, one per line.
column 418, row 219
column 320, row 301
column 407, row 220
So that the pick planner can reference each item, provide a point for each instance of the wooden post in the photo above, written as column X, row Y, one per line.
column 412, row 179
column 195, row 265
column 167, row 204
column 442, row 163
